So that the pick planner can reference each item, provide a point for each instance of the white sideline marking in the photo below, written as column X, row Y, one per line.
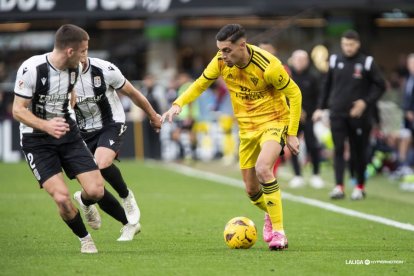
column 313, row 202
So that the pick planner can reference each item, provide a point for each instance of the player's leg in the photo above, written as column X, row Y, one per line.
column 43, row 158
column 108, row 145
column 271, row 143
column 249, row 149
column 271, row 192
column 58, row 190
column 255, row 193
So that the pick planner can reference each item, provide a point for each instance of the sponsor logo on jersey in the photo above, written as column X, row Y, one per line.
column 93, row 99
column 110, row 68
column 249, row 96
column 43, row 80
column 111, row 142
column 25, row 70
column 54, row 97
column 72, row 78
column 97, row 81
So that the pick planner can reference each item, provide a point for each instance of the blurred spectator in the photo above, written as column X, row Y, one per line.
column 308, row 84
column 155, row 95
column 183, row 134
column 406, row 132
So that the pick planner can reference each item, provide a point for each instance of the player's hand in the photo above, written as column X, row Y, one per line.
column 358, row 108
column 293, row 144
column 171, row 113
column 317, row 115
column 56, row 127
column 156, row 123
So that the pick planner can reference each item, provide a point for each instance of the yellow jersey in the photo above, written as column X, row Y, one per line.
column 258, row 90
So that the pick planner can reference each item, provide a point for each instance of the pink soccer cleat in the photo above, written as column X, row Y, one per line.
column 267, row 229
column 278, row 242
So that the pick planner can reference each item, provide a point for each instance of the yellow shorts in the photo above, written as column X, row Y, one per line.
column 251, row 142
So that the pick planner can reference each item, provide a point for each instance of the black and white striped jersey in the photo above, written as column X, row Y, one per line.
column 97, row 103
column 48, row 87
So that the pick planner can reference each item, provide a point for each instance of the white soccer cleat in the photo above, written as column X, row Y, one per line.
column 87, row 245
column 90, row 212
column 337, row 193
column 297, row 182
column 317, row 182
column 129, row 231
column 131, row 209
column 358, row 194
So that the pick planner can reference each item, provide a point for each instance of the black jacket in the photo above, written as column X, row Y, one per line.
column 309, row 86
column 350, row 79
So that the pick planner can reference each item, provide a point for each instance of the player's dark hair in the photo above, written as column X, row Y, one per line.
column 70, row 36
column 351, row 34
column 231, row 32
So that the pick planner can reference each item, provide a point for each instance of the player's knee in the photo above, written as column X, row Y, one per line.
column 263, row 172
column 104, row 163
column 96, row 192
column 62, row 198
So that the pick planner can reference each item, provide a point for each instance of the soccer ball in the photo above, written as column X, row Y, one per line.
column 240, row 233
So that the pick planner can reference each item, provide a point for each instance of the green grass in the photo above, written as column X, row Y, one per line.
column 182, row 223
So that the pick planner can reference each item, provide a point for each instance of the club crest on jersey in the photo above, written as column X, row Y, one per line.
column 357, row 71
column 254, row 80
column 72, row 78
column 97, row 81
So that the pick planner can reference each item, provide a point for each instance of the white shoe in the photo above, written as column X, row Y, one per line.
column 87, row 245
column 317, row 182
column 90, row 212
column 409, row 187
column 358, row 194
column 131, row 209
column 297, row 182
column 129, row 231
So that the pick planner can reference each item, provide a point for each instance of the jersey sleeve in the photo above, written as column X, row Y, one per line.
column 210, row 74
column 277, row 76
column 114, row 76
column 24, row 85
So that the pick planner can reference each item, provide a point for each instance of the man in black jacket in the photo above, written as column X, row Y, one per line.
column 352, row 87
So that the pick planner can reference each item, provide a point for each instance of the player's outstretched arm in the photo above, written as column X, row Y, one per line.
column 56, row 127
column 171, row 113
column 139, row 100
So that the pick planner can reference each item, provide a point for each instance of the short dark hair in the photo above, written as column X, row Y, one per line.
column 70, row 36
column 351, row 34
column 231, row 32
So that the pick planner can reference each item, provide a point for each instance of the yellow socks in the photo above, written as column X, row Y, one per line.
column 258, row 200
column 273, row 200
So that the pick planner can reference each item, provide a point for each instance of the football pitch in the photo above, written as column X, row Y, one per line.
column 183, row 216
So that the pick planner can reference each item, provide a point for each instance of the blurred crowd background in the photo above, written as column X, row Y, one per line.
column 162, row 45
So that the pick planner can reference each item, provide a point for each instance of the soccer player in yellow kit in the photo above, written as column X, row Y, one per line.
column 258, row 85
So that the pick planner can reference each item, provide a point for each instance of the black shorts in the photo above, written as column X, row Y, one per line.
column 47, row 155
column 110, row 136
